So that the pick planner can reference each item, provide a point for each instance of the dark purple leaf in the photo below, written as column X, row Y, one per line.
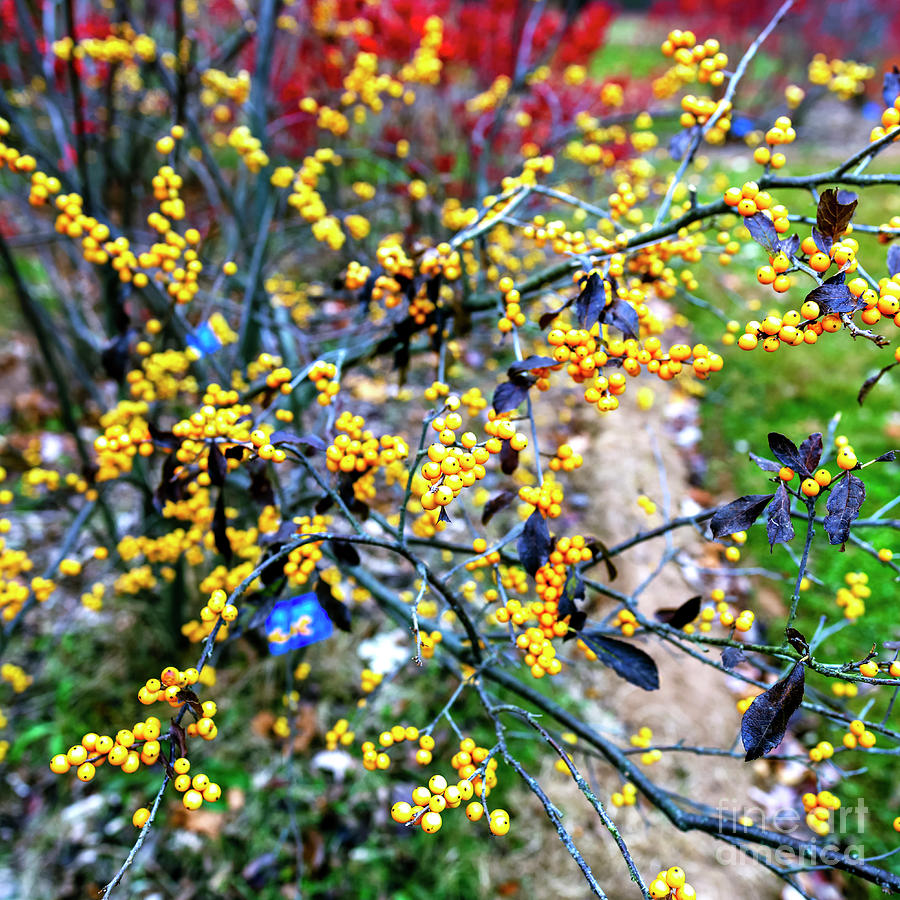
column 345, row 552
column 681, row 615
column 823, row 243
column 833, row 216
column 845, row 198
column 509, row 459
column 766, row 719
column 779, row 527
column 622, row 315
column 871, row 381
column 738, row 515
column 767, row 465
column 163, row 440
column 260, row 489
column 680, row 141
column 309, row 443
column 833, row 296
column 333, row 608
column 219, row 526
column 626, row 661
column 762, row 230
column 591, row 301
column 509, row 394
column 786, row 452
column 844, row 501
column 529, row 363
column 797, row 640
column 599, row 549
column 576, row 623
column 789, row 245
column 811, row 451
column 893, row 259
column 732, row 656
column 495, row 504
column 235, row 452
column 444, row 516
column 548, row 317
column 115, row 356
column 889, row 456
column 533, row 545
column 216, row 465
column 890, row 87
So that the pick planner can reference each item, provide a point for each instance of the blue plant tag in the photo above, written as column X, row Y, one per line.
column 296, row 622
column 204, row 340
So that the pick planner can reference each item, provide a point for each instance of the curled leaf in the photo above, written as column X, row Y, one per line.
column 681, row 615
column 762, row 230
column 766, row 719
column 786, row 452
column 628, row 662
column 844, row 501
column 834, row 212
column 779, row 527
column 738, row 515
column 533, row 545
column 334, row 608
column 495, row 504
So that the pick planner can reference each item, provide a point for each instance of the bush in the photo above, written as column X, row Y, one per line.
column 319, row 355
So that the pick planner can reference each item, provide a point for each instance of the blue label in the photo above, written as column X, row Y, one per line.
column 296, row 622
column 204, row 340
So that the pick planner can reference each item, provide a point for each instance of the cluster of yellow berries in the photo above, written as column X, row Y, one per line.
column 822, row 750
column 643, row 738
column 547, row 497
column 845, row 78
column 249, row 148
column 373, row 758
column 646, row 504
column 369, row 680
column 340, row 734
column 625, row 621
column 512, row 317
column 819, row 811
column 216, row 608
column 566, row 459
column 97, row 749
column 748, row 200
column 851, row 599
column 890, row 121
column 626, row 797
column 449, row 468
column 782, row 132
column 698, row 110
column 671, row 883
column 16, row 677
column 428, row 802
column 844, row 689
column 194, row 789
column 356, row 450
column 301, row 561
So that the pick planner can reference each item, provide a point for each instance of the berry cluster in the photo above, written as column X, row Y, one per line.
column 513, row 316
column 851, row 599
column 378, row 759
column 671, row 883
column 357, row 450
column 626, row 797
column 822, row 750
column 565, row 459
column 339, row 735
column 782, row 132
column 819, row 811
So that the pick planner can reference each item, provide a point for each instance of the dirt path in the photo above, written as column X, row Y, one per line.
column 693, row 704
